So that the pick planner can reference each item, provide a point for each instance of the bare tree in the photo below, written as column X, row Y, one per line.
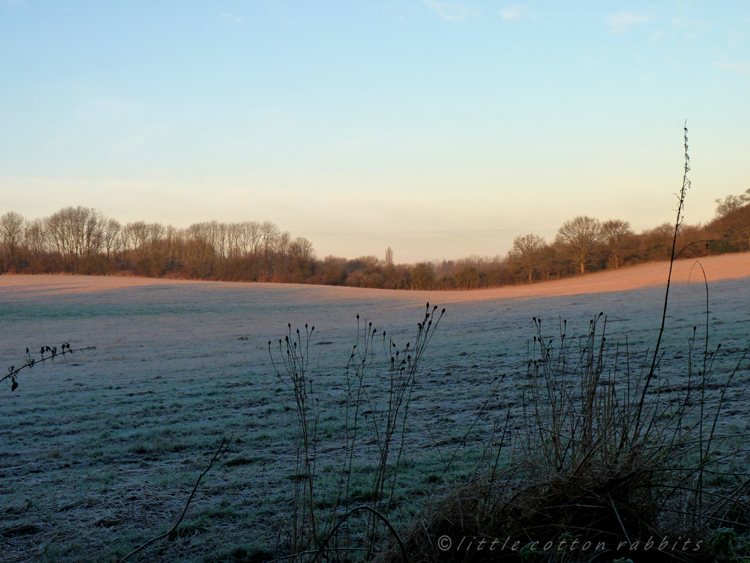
column 35, row 237
column 269, row 233
column 212, row 234
column 526, row 253
column 616, row 235
column 251, row 235
column 731, row 203
column 234, row 240
column 302, row 249
column 283, row 242
column 172, row 243
column 112, row 241
column 93, row 233
column 656, row 243
column 580, row 237
column 198, row 250
column 57, row 227
column 301, row 259
column 12, row 236
column 217, row 234
column 389, row 257
column 75, row 232
column 136, row 237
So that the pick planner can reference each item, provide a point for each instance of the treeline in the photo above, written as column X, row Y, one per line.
column 585, row 244
column 80, row 240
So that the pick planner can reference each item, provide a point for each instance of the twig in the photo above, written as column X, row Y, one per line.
column 30, row 363
column 346, row 516
column 223, row 448
column 624, row 531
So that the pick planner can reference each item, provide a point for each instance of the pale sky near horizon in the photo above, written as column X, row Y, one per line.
column 440, row 129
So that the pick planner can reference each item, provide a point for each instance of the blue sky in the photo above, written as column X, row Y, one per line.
column 440, row 129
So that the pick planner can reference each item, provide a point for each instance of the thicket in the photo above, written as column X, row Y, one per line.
column 79, row 240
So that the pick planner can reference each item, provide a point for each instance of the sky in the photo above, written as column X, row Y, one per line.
column 439, row 129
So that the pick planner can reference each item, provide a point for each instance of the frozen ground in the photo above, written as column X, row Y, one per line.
column 99, row 451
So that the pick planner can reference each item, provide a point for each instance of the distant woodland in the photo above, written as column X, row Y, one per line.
column 79, row 240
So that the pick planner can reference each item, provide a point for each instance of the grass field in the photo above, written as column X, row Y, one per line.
column 100, row 449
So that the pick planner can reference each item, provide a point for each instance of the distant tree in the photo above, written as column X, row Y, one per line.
column 446, row 281
column 146, row 247
column 362, row 263
column 11, row 237
column 731, row 203
column 37, row 247
column 251, row 237
column 301, row 260
column 93, row 233
column 234, row 240
column 552, row 265
column 136, row 237
column 330, row 271
column 302, row 249
column 283, row 242
column 112, row 241
column 693, row 241
column 526, row 254
column 171, row 247
column 616, row 236
column 468, row 277
column 731, row 232
column 446, row 267
column 396, row 277
column 580, row 237
column 269, row 234
column 656, row 243
column 198, row 251
column 75, row 233
column 218, row 238
column 422, row 276
column 389, row 257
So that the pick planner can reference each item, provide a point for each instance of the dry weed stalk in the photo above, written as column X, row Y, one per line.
column 293, row 372
column 678, row 222
column 369, row 417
